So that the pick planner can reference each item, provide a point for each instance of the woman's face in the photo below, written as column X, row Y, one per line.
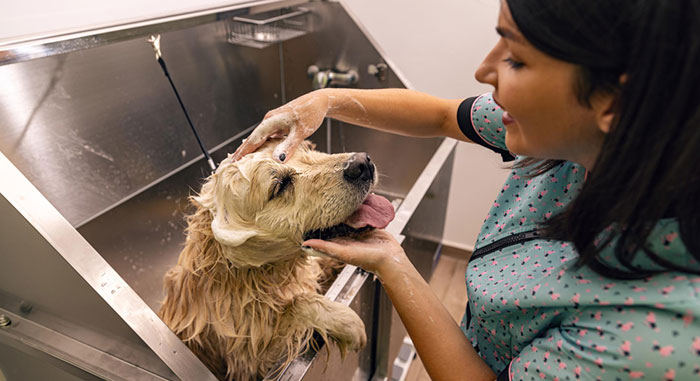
column 543, row 117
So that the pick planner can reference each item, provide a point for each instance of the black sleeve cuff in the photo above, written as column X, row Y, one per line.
column 464, row 120
column 504, row 376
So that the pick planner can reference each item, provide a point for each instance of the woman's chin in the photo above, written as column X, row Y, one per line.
column 514, row 144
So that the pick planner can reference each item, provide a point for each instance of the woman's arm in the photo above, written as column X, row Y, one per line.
column 443, row 348
column 400, row 111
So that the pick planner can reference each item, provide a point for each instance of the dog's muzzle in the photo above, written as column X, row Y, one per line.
column 359, row 171
column 374, row 212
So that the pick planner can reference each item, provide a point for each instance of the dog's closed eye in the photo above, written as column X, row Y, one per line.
column 280, row 184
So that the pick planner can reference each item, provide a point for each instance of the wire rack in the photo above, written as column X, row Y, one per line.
column 267, row 28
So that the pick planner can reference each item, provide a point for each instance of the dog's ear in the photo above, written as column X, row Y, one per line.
column 230, row 234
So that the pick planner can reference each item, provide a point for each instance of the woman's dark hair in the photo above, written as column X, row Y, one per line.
column 649, row 165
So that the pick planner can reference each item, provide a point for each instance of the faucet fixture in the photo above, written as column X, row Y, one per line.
column 321, row 79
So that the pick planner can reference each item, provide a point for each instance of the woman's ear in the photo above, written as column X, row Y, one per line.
column 606, row 107
column 606, row 114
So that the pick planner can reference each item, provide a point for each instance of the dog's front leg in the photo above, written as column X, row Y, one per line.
column 332, row 320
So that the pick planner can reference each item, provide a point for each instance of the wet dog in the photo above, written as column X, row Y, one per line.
column 243, row 296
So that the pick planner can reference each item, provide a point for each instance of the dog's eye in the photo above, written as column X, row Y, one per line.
column 280, row 185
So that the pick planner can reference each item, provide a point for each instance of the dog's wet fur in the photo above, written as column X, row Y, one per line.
column 243, row 296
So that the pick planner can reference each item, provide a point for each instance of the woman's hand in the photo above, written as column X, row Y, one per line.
column 297, row 119
column 444, row 350
column 376, row 251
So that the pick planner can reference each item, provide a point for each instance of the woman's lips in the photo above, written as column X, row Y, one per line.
column 507, row 119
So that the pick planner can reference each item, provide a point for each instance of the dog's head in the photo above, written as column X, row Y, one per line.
column 261, row 205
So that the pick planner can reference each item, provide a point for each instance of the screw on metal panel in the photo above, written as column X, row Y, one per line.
column 25, row 307
column 5, row 321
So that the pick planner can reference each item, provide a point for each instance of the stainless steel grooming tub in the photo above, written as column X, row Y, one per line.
column 97, row 163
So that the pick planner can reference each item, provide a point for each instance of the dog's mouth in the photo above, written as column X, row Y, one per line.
column 374, row 212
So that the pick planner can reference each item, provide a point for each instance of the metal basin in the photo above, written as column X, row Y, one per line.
column 98, row 162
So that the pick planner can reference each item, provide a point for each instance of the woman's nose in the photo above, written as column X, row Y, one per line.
column 487, row 72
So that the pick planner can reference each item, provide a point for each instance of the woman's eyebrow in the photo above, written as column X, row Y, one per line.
column 509, row 34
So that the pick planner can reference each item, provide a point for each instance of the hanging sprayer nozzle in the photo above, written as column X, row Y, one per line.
column 155, row 42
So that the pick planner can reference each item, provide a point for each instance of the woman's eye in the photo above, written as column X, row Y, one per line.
column 514, row 64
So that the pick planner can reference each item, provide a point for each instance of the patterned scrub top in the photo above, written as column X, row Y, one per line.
column 532, row 316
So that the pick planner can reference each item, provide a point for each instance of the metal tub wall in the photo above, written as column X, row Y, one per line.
column 99, row 133
column 423, row 236
column 52, row 311
column 104, row 124
column 96, row 131
column 339, row 44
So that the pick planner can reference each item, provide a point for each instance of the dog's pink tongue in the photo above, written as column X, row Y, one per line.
column 376, row 211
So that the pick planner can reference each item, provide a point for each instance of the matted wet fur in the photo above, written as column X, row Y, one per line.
column 243, row 296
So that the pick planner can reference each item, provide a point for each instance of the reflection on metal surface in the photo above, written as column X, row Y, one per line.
column 73, row 351
column 23, row 362
column 56, row 76
column 44, row 227
column 111, row 126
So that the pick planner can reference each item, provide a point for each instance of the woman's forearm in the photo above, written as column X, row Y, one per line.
column 444, row 350
column 400, row 111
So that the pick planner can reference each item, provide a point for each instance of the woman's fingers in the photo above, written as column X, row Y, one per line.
column 286, row 149
column 252, row 143
column 299, row 119
column 314, row 253
column 327, row 248
column 245, row 148
column 270, row 126
column 371, row 251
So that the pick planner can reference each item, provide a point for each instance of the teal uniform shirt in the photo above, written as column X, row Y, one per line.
column 531, row 315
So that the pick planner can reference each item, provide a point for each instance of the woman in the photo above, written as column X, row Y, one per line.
column 600, row 274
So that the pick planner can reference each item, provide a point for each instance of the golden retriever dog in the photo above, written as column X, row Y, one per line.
column 244, row 296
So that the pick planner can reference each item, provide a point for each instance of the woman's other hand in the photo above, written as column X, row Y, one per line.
column 376, row 251
column 297, row 119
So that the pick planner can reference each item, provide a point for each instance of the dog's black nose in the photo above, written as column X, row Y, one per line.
column 359, row 168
